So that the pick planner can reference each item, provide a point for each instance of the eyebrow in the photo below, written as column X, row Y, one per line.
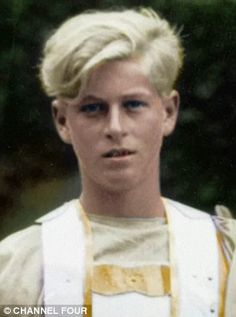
column 135, row 94
column 89, row 97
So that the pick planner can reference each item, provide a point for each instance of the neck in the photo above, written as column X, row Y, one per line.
column 134, row 202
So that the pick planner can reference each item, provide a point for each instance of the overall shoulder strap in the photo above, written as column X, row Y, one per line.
column 63, row 239
column 194, row 262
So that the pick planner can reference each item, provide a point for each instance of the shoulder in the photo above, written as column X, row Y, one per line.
column 224, row 223
column 185, row 210
column 226, row 226
column 20, row 239
column 57, row 212
column 20, row 247
column 227, row 230
column 20, row 267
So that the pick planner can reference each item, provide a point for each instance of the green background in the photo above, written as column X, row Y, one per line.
column 38, row 172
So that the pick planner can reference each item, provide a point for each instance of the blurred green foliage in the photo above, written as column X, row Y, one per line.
column 198, row 161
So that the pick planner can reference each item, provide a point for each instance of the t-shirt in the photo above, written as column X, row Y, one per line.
column 135, row 245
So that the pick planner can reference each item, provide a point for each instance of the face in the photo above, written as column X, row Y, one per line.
column 116, row 126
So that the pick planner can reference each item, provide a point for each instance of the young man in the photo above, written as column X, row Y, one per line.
column 121, row 247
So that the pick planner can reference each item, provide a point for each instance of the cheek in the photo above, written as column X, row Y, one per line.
column 78, row 141
column 83, row 142
column 154, row 144
column 152, row 131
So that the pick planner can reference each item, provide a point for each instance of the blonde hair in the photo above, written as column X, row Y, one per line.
column 90, row 39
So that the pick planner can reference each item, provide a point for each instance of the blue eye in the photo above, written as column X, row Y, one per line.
column 133, row 104
column 92, row 108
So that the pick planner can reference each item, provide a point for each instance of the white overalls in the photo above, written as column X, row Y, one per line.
column 194, row 264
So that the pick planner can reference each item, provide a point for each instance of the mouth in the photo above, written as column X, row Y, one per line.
column 118, row 153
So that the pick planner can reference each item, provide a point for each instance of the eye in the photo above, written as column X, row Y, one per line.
column 92, row 108
column 134, row 104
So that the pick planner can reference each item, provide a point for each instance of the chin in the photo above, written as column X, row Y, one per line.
column 120, row 184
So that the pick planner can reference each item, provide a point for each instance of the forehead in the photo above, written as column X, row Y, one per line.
column 118, row 77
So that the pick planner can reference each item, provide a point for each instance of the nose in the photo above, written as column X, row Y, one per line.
column 115, row 125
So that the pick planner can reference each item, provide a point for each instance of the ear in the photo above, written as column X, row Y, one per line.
column 171, row 105
column 59, row 113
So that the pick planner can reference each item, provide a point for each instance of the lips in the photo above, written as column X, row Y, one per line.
column 117, row 153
